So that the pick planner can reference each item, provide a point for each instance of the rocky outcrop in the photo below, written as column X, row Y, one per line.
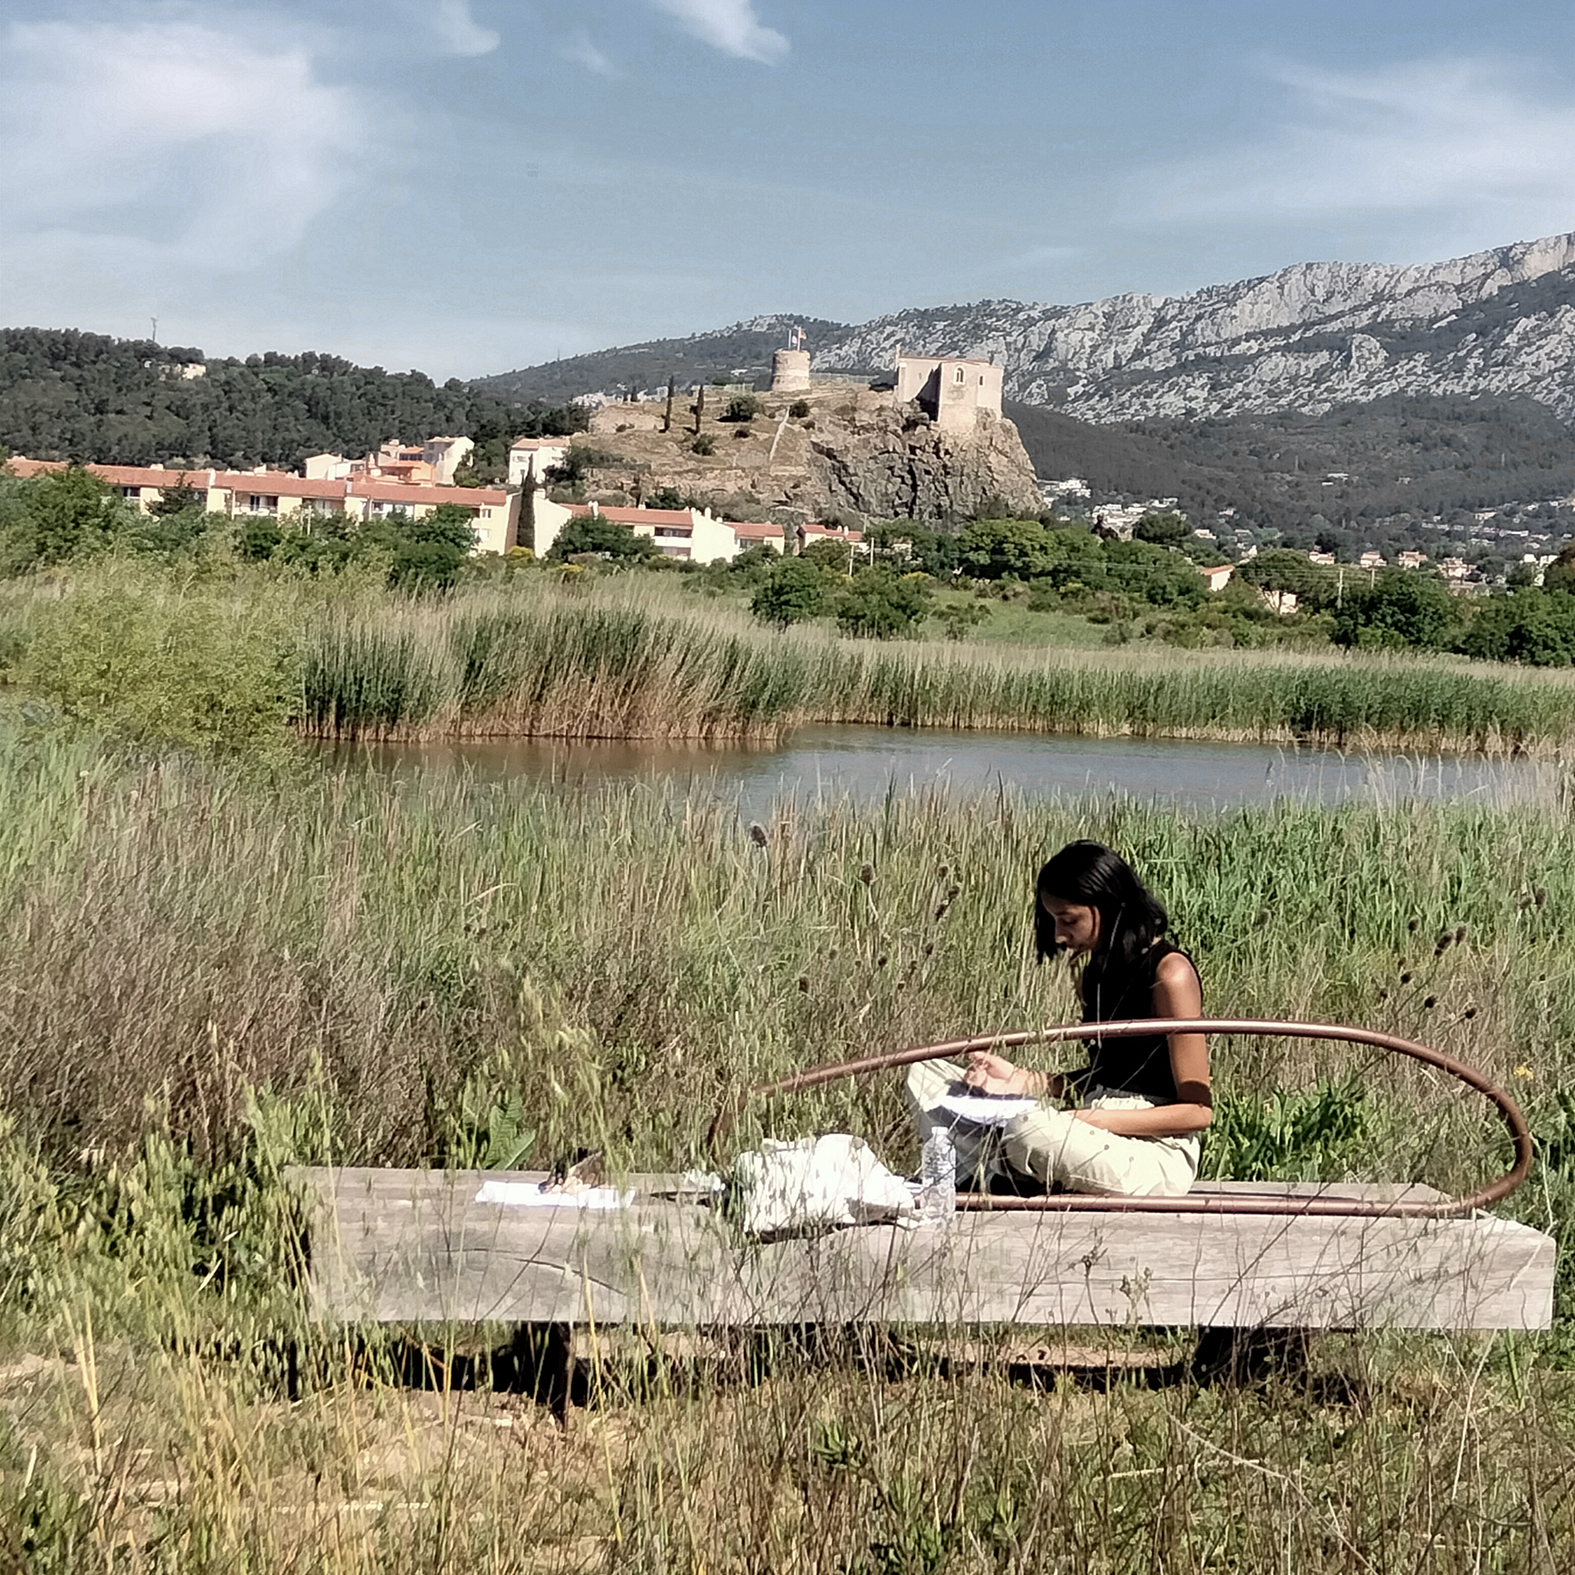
column 898, row 465
column 854, row 453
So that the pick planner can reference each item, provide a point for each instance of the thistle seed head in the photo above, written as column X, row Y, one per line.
column 867, row 874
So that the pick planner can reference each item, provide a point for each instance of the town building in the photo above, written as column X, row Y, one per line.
column 277, row 494
column 1218, row 577
column 1370, row 560
column 534, row 457
column 687, row 535
column 951, row 390
column 1411, row 560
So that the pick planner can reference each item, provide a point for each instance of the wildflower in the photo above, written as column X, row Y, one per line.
column 757, row 834
column 1443, row 943
column 803, row 984
column 867, row 874
column 1430, row 1003
column 1414, row 926
column 943, row 872
column 953, row 892
column 1263, row 918
column 1540, row 896
column 1469, row 1013
column 882, row 960
column 929, row 947
column 1405, row 978
column 1460, row 935
column 1523, row 1072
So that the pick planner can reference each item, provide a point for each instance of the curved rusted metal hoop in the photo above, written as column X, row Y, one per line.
column 1192, row 1203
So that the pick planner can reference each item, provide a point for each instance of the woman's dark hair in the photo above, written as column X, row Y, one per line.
column 1131, row 918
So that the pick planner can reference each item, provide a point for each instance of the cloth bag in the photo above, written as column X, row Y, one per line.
column 809, row 1184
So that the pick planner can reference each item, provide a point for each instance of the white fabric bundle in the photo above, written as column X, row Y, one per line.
column 815, row 1183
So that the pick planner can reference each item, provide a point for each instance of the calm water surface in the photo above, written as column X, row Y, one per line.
column 868, row 762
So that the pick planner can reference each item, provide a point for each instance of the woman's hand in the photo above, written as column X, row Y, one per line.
column 994, row 1074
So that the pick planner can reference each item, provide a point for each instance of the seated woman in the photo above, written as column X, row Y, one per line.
column 1141, row 1103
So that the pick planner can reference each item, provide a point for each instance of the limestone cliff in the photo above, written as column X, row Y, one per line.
column 854, row 453
column 1310, row 337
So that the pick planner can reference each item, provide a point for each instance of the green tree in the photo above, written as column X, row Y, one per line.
column 1281, row 569
column 1163, row 530
column 835, row 557
column 63, row 514
column 794, row 593
column 1400, row 608
column 596, row 533
column 1560, row 574
column 741, row 407
column 1532, row 626
column 1153, row 574
column 182, row 498
column 882, row 605
column 1006, row 549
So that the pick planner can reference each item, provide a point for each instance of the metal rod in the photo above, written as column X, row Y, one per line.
column 1494, row 1191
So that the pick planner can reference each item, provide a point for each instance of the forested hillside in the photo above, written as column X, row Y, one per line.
column 71, row 395
column 1391, row 463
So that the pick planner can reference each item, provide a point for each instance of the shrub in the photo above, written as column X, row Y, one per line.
column 705, row 443
column 58, row 515
column 212, row 674
column 798, row 410
column 741, row 407
column 794, row 593
column 598, row 535
column 958, row 618
column 882, row 605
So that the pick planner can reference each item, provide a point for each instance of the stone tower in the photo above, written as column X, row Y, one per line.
column 789, row 371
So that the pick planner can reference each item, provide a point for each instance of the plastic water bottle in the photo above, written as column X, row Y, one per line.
column 938, row 1178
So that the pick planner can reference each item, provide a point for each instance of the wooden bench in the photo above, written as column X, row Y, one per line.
column 399, row 1246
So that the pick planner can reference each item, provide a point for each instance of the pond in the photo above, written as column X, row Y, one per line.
column 868, row 762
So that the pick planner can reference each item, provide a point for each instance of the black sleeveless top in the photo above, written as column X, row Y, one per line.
column 1127, row 1066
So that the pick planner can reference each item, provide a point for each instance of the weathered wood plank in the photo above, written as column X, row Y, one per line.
column 402, row 1246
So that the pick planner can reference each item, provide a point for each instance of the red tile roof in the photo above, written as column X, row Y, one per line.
column 119, row 475
column 277, row 484
column 636, row 516
column 416, row 493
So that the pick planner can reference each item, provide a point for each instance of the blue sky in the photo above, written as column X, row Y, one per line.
column 472, row 185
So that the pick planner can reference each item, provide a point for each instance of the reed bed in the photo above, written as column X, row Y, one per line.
column 615, row 665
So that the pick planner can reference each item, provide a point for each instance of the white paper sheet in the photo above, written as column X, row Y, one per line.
column 986, row 1110
column 528, row 1194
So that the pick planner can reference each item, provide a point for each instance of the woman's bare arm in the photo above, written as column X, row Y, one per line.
column 1176, row 994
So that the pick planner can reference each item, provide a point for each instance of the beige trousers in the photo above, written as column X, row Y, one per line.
column 1052, row 1146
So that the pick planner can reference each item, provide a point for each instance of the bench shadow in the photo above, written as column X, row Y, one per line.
column 540, row 1362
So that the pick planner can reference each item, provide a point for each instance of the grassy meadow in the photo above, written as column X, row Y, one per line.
column 211, row 970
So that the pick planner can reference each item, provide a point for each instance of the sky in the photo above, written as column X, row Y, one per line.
column 469, row 186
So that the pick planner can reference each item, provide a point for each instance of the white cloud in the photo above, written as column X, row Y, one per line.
column 460, row 33
column 583, row 52
column 173, row 142
column 728, row 25
column 1476, row 144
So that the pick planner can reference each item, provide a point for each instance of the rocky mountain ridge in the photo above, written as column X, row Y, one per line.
column 1309, row 337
